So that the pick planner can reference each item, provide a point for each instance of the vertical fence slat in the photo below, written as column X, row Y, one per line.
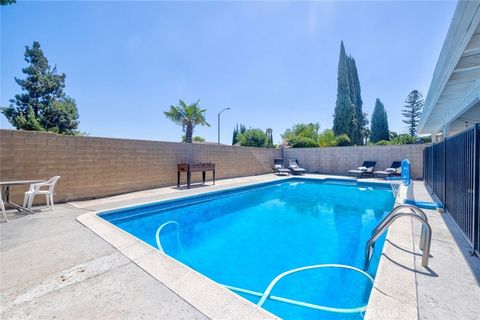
column 476, row 216
column 452, row 171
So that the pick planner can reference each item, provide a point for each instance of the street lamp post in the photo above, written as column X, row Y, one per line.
column 224, row 109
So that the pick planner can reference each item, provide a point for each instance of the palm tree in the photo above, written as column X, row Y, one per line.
column 188, row 116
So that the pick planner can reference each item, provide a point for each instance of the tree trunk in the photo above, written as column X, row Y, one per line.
column 189, row 134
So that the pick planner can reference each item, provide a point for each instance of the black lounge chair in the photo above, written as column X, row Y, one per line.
column 295, row 167
column 279, row 168
column 393, row 170
column 366, row 169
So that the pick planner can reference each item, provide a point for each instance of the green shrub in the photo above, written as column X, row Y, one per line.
column 404, row 139
column 383, row 143
column 343, row 140
column 198, row 139
column 426, row 139
column 253, row 138
column 302, row 142
column 194, row 139
column 307, row 130
column 326, row 138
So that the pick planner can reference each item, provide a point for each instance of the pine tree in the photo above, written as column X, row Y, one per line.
column 344, row 117
column 43, row 106
column 379, row 123
column 412, row 111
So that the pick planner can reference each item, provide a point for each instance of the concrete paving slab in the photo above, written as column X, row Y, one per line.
column 43, row 255
column 122, row 293
column 34, row 260
column 53, row 267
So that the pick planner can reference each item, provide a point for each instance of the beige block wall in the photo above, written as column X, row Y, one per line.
column 96, row 167
column 338, row 160
column 93, row 167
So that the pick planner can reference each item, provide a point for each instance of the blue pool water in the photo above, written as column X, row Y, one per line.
column 246, row 237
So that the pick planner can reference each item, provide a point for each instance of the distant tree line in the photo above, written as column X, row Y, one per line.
column 44, row 106
column 6, row 2
column 350, row 124
column 350, row 120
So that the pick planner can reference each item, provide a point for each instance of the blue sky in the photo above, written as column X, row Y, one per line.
column 273, row 63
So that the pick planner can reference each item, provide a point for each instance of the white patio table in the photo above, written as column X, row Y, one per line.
column 7, row 185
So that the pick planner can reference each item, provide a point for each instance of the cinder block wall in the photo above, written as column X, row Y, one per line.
column 338, row 160
column 95, row 167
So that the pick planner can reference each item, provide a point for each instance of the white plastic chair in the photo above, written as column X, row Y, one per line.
column 2, row 206
column 36, row 188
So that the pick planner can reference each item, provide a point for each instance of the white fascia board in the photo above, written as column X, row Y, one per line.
column 462, row 107
column 464, row 23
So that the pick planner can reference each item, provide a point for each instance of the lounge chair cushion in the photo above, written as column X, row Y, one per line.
column 362, row 168
column 282, row 171
column 356, row 171
column 278, row 166
column 391, row 170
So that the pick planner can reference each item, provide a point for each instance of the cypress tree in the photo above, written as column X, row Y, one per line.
column 343, row 119
column 269, row 133
column 236, row 131
column 413, row 110
column 354, row 133
column 379, row 123
column 235, row 135
column 359, row 126
column 361, row 117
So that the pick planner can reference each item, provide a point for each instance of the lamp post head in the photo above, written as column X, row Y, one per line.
column 223, row 110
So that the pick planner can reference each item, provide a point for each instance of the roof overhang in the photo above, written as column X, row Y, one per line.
column 455, row 87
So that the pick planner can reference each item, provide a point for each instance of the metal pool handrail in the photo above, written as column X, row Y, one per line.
column 413, row 209
column 391, row 218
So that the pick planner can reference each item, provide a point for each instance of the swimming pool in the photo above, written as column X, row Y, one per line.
column 245, row 237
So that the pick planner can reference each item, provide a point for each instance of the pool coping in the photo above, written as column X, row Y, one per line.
column 394, row 293
column 217, row 302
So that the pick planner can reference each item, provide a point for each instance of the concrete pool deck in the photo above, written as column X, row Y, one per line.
column 54, row 267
